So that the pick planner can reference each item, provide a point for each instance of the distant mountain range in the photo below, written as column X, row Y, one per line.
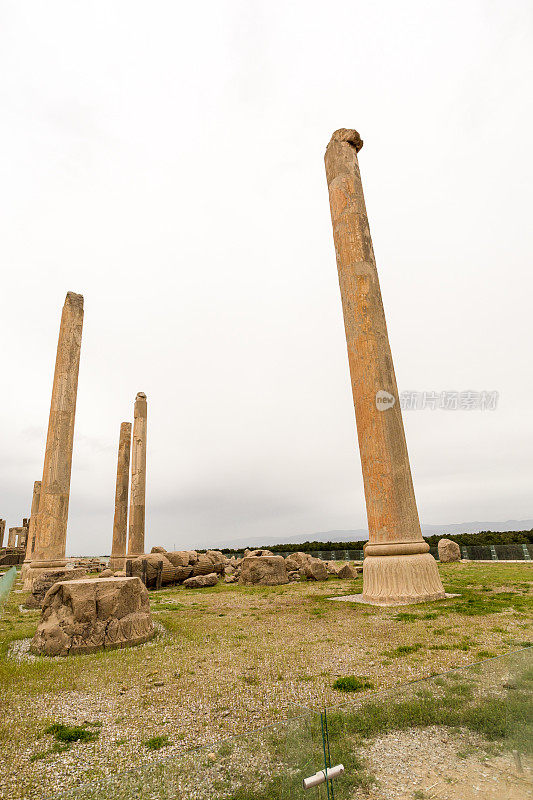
column 362, row 533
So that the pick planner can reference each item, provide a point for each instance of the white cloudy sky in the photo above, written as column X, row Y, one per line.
column 165, row 159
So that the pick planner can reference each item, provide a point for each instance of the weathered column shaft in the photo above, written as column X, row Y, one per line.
column 394, row 527
column 138, row 478
column 51, row 527
column 12, row 536
column 2, row 531
column 120, row 522
column 33, row 519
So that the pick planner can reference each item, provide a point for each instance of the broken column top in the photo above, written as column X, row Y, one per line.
column 348, row 135
column 74, row 299
column 140, row 406
column 341, row 157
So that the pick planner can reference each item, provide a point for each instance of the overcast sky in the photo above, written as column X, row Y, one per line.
column 165, row 160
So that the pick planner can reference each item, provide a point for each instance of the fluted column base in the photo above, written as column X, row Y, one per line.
column 391, row 580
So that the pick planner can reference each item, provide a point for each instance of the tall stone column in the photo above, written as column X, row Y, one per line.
column 2, row 531
column 12, row 536
column 22, row 539
column 120, row 522
column 398, row 567
column 138, row 478
column 33, row 520
column 51, row 527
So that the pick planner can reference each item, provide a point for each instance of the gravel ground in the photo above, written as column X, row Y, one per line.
column 450, row 766
column 231, row 660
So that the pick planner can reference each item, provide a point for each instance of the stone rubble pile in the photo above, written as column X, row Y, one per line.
column 264, row 568
column 89, row 564
column 196, row 570
column 256, row 568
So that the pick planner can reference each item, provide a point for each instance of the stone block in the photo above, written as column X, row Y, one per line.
column 39, row 580
column 448, row 551
column 296, row 560
column 314, row 570
column 199, row 581
column 83, row 616
column 263, row 571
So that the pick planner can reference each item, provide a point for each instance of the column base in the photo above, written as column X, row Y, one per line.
column 34, row 569
column 117, row 563
column 34, row 574
column 391, row 580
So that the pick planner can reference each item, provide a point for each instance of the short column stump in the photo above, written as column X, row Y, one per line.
column 83, row 616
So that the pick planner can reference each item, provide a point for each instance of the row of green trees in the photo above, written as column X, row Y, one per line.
column 465, row 539
column 484, row 538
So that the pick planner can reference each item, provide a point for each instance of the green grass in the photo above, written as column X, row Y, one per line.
column 352, row 683
column 405, row 616
column 455, row 704
column 157, row 742
column 506, row 717
column 475, row 584
column 403, row 650
column 71, row 733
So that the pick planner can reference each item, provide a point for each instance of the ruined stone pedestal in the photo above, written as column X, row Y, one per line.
column 38, row 581
column 88, row 615
column 397, row 566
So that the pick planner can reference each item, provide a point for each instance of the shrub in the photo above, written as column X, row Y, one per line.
column 71, row 733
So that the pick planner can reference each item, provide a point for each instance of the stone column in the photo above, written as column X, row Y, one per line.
column 12, row 537
column 120, row 522
column 2, row 531
column 33, row 520
column 22, row 537
column 138, row 478
column 51, row 525
column 398, row 567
